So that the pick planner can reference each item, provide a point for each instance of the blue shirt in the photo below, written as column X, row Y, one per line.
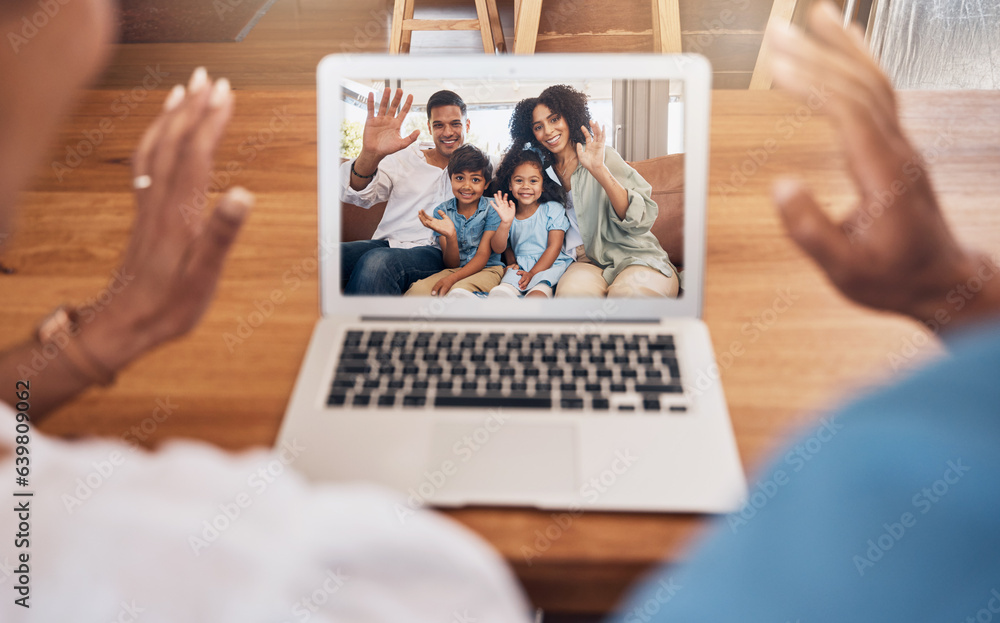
column 469, row 231
column 888, row 511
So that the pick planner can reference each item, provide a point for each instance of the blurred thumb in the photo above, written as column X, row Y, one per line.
column 808, row 225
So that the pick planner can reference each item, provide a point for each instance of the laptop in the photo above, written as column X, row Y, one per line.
column 564, row 403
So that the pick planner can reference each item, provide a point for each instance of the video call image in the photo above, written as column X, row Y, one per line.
column 488, row 189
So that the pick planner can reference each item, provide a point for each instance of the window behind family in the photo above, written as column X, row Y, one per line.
column 491, row 188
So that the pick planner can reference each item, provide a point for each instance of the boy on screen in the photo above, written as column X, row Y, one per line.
column 464, row 227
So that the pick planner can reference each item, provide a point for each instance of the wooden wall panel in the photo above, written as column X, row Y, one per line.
column 283, row 49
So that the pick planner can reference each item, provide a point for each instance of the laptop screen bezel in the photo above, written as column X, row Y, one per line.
column 695, row 72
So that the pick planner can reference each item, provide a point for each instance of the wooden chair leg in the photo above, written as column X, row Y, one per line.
column 781, row 10
column 396, row 35
column 485, row 29
column 656, row 26
column 529, row 14
column 498, row 39
column 407, row 14
column 666, row 27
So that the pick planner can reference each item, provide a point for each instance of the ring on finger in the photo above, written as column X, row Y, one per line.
column 142, row 182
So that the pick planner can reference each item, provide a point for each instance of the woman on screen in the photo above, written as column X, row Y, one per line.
column 608, row 203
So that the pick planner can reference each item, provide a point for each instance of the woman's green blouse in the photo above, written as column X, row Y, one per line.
column 613, row 243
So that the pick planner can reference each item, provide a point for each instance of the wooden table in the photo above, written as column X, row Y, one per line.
column 794, row 363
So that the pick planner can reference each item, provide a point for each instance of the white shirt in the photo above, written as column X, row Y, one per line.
column 408, row 183
column 191, row 533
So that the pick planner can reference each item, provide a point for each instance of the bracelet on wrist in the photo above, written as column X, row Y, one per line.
column 364, row 177
column 60, row 331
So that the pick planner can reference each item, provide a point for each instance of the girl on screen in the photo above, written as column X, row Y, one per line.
column 533, row 228
column 608, row 203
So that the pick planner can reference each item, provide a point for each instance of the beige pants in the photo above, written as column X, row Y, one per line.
column 483, row 281
column 583, row 279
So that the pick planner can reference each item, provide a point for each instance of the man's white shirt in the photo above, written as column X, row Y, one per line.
column 408, row 184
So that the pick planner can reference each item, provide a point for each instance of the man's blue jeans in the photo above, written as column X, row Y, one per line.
column 371, row 267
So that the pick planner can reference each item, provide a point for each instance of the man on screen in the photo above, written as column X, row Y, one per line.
column 393, row 169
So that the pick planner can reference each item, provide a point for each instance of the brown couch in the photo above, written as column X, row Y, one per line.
column 665, row 174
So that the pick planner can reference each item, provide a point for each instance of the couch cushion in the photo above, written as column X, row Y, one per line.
column 358, row 223
column 666, row 175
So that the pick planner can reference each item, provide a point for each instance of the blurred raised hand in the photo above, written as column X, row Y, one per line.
column 893, row 251
column 176, row 252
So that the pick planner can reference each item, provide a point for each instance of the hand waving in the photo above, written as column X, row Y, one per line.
column 504, row 207
column 894, row 251
column 591, row 155
column 443, row 226
column 175, row 256
column 381, row 134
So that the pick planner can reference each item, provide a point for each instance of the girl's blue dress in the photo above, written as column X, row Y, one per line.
column 530, row 237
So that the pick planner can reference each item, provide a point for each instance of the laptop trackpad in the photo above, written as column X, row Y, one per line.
column 503, row 462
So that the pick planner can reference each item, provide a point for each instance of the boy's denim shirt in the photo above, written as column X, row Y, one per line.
column 469, row 232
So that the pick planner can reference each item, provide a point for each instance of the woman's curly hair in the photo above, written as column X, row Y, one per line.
column 515, row 157
column 559, row 98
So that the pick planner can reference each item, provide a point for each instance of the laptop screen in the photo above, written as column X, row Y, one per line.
column 494, row 194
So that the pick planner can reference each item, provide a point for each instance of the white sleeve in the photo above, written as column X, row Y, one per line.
column 376, row 191
column 193, row 533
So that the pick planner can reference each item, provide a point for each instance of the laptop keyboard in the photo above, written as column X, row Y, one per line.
column 545, row 371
